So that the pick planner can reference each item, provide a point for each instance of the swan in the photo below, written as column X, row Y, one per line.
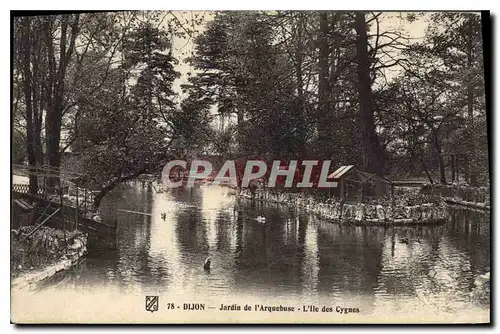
column 207, row 263
column 261, row 219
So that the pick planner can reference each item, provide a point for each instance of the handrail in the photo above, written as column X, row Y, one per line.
column 40, row 225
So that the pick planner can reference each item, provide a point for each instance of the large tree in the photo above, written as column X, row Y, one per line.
column 128, row 128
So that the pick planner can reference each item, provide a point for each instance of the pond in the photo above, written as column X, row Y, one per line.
column 293, row 256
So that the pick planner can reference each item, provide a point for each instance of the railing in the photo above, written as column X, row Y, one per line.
column 69, row 217
column 86, row 197
column 25, row 188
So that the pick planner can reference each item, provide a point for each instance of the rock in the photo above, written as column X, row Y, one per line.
column 360, row 212
column 388, row 213
column 370, row 212
column 426, row 215
column 336, row 211
column 77, row 243
column 405, row 209
column 350, row 212
column 380, row 212
column 407, row 212
column 398, row 212
column 403, row 221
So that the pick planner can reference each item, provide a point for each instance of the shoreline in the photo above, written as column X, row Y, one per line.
column 360, row 213
column 68, row 257
column 475, row 198
column 480, row 207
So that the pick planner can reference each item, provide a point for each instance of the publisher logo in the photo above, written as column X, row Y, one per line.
column 152, row 303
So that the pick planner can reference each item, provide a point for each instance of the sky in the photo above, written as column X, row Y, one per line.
column 183, row 47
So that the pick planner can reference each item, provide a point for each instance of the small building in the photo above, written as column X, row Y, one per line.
column 22, row 213
column 357, row 185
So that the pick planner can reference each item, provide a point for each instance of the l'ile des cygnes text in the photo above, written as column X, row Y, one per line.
column 285, row 308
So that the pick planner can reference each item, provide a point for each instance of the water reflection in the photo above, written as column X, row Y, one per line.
column 292, row 255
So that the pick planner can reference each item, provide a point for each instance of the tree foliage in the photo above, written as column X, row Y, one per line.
column 347, row 87
column 275, row 84
column 100, row 86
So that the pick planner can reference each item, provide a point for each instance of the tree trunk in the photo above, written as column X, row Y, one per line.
column 426, row 171
column 52, row 141
column 240, row 118
column 466, row 170
column 453, row 169
column 470, row 109
column 98, row 198
column 371, row 150
column 299, row 58
column 38, row 84
column 55, row 93
column 112, row 185
column 323, row 88
column 51, row 137
column 439, row 152
column 28, row 97
column 442, row 175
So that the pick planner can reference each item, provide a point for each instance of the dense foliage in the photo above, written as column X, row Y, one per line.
column 346, row 87
column 275, row 84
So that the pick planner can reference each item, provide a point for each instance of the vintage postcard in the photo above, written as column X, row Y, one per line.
column 279, row 166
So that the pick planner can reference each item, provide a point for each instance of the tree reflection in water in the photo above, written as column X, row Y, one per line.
column 292, row 255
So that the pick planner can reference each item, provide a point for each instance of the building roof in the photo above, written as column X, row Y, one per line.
column 351, row 173
column 23, row 205
column 340, row 171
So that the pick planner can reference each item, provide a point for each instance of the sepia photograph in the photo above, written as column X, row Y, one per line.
column 250, row 167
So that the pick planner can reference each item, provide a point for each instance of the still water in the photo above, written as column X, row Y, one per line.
column 292, row 256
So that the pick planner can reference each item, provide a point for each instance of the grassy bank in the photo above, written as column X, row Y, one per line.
column 35, row 252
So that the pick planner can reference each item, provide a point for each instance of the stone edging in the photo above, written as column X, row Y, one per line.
column 363, row 214
column 76, row 251
column 471, row 197
column 471, row 205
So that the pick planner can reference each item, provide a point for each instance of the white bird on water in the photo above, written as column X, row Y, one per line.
column 261, row 219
